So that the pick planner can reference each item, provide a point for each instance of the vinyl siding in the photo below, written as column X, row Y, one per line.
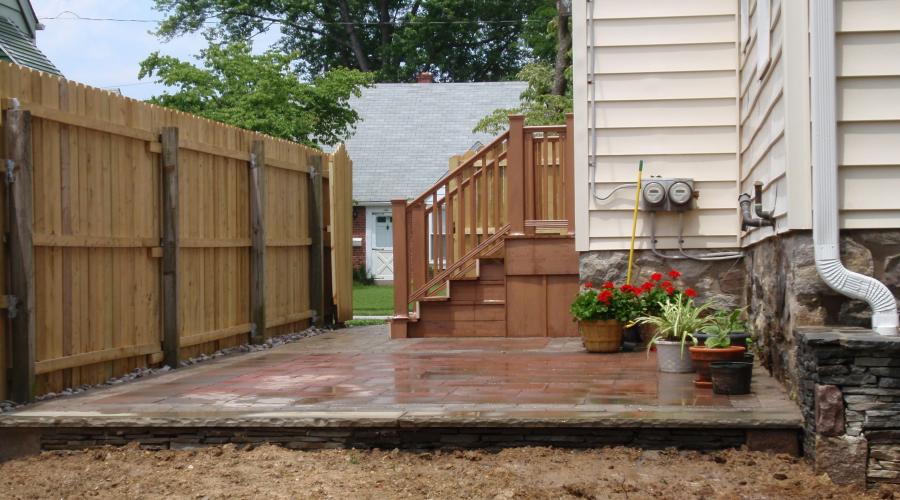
column 762, row 109
column 868, row 87
column 666, row 93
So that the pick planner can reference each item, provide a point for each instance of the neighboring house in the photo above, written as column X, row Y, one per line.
column 18, row 29
column 405, row 138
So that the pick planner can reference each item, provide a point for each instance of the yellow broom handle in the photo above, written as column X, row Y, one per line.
column 637, row 200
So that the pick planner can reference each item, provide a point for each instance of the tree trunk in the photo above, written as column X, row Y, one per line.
column 564, row 44
column 361, row 59
column 387, row 32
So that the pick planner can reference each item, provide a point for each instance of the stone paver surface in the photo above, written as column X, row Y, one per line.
column 360, row 373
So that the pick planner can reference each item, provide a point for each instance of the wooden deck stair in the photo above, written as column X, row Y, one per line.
column 488, row 251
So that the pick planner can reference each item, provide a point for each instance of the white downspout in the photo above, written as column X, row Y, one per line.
column 825, row 178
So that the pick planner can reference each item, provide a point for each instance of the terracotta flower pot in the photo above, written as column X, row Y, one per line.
column 601, row 336
column 703, row 356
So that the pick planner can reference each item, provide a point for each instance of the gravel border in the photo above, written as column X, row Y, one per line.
column 7, row 406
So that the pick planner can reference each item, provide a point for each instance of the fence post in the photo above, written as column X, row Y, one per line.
column 401, row 271
column 569, row 176
column 515, row 175
column 17, row 132
column 316, row 251
column 170, row 247
column 257, row 242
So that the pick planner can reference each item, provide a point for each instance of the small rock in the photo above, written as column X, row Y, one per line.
column 779, row 476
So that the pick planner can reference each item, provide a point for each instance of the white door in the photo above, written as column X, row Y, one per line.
column 382, row 244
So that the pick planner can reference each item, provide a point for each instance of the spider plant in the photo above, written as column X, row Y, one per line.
column 679, row 319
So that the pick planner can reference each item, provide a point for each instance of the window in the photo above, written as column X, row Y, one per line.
column 384, row 237
column 763, row 20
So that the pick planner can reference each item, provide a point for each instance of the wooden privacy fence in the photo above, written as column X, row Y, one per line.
column 141, row 235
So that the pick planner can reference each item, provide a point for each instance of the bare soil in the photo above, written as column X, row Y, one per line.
column 273, row 472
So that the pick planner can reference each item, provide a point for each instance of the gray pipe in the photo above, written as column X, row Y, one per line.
column 825, row 178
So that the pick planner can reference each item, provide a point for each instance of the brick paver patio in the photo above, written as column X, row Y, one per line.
column 361, row 375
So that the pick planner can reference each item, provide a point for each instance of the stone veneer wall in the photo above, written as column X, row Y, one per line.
column 784, row 291
column 849, row 388
column 722, row 281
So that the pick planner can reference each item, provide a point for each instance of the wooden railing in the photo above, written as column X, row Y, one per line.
column 519, row 184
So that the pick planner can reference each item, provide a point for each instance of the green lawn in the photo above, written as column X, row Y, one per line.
column 373, row 300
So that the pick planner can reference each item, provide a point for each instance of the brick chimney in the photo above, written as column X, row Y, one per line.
column 424, row 77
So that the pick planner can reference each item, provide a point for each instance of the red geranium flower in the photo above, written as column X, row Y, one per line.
column 589, row 284
column 625, row 288
column 674, row 274
column 656, row 276
column 670, row 291
column 636, row 291
column 609, row 285
column 604, row 296
column 647, row 286
column 666, row 284
column 690, row 292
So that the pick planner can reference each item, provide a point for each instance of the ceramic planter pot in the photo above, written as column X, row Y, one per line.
column 731, row 377
column 737, row 338
column 670, row 358
column 703, row 356
column 601, row 336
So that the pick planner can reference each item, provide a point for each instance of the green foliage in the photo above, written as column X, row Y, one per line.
column 392, row 38
column 679, row 319
column 260, row 92
column 621, row 304
column 722, row 324
column 539, row 106
column 362, row 276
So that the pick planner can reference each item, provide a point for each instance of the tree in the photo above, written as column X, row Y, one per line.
column 548, row 97
column 457, row 40
column 537, row 102
column 260, row 92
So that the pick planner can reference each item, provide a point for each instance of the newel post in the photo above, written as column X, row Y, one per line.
column 569, row 175
column 515, row 174
column 401, row 271
column 170, row 247
column 17, row 137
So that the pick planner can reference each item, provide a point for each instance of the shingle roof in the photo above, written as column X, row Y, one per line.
column 408, row 132
column 19, row 48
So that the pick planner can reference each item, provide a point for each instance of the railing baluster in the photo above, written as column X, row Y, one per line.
column 450, row 233
column 484, row 199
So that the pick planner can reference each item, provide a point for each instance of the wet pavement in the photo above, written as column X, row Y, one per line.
column 359, row 374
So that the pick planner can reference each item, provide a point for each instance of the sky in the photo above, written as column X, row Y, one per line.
column 108, row 53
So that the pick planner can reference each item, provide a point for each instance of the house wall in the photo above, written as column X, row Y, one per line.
column 666, row 93
column 868, row 86
column 359, row 231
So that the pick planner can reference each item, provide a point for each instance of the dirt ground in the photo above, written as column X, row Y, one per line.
column 273, row 472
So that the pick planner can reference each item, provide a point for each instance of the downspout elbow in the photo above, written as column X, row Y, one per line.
column 766, row 215
column 884, row 307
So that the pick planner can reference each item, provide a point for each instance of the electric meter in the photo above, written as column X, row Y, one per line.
column 680, row 193
column 654, row 194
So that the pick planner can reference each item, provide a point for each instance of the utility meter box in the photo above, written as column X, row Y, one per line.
column 667, row 195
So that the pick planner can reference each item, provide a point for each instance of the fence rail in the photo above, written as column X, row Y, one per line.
column 141, row 234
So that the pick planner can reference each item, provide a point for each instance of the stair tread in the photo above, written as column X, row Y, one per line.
column 443, row 298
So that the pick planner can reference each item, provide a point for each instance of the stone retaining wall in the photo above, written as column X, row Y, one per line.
column 784, row 291
column 420, row 438
column 849, row 389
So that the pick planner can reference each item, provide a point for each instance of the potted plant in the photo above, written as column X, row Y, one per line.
column 601, row 315
column 677, row 323
column 657, row 290
column 732, row 322
column 716, row 347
